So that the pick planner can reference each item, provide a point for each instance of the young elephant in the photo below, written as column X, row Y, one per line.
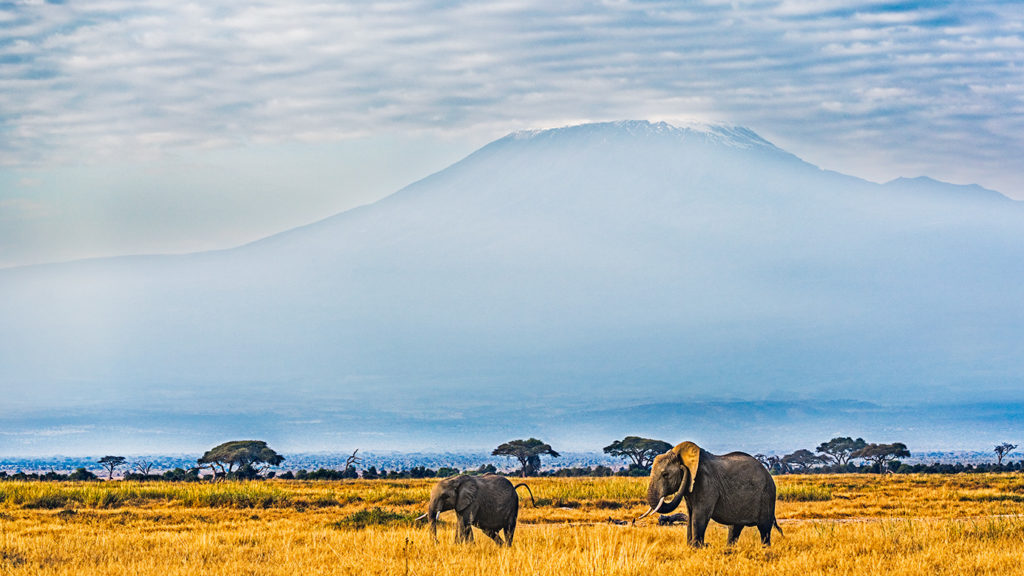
column 734, row 489
column 489, row 502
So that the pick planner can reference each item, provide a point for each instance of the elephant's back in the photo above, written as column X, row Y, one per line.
column 744, row 460
column 497, row 482
column 749, row 471
column 499, row 489
column 747, row 494
column 502, row 502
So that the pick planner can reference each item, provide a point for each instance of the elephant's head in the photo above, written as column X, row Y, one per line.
column 457, row 492
column 673, row 472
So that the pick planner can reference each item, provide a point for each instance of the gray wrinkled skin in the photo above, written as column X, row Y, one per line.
column 489, row 502
column 734, row 489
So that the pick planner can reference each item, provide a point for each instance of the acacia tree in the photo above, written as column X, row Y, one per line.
column 840, row 449
column 143, row 466
column 1002, row 450
column 641, row 451
column 111, row 463
column 528, row 452
column 773, row 463
column 252, row 455
column 879, row 454
column 802, row 459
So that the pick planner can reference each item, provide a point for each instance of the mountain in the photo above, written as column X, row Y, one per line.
column 551, row 274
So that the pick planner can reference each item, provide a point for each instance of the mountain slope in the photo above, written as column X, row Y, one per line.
column 587, row 266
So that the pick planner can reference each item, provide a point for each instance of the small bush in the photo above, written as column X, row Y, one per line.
column 47, row 502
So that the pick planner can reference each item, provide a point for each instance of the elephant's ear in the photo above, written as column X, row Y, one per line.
column 689, row 453
column 466, row 494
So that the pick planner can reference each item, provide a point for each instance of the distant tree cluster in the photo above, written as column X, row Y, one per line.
column 79, row 475
column 838, row 455
column 371, row 473
column 253, row 459
column 85, row 475
column 583, row 471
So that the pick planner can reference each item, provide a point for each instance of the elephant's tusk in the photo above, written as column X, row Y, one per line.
column 651, row 511
column 644, row 515
column 421, row 517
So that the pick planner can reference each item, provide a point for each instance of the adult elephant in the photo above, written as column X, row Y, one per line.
column 489, row 502
column 734, row 489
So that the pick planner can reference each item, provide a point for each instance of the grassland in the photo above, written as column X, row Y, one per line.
column 846, row 525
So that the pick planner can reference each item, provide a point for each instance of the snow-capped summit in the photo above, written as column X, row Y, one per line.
column 706, row 132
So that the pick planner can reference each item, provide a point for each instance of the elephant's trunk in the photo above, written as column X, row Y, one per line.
column 433, row 512
column 657, row 500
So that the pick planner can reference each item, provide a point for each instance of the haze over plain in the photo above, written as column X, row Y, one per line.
column 583, row 282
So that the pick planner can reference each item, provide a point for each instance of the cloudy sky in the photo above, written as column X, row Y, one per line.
column 167, row 126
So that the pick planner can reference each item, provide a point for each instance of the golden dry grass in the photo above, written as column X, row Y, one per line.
column 849, row 524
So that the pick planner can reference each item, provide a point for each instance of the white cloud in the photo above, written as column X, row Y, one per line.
column 104, row 81
column 52, row 431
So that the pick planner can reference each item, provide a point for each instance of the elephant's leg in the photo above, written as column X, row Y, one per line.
column 493, row 535
column 689, row 524
column 734, row 533
column 699, row 524
column 463, row 531
column 766, row 534
column 510, row 525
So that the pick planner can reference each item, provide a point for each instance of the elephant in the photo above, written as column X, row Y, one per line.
column 734, row 489
column 489, row 502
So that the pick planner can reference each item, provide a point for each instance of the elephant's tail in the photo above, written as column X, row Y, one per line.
column 775, row 523
column 523, row 484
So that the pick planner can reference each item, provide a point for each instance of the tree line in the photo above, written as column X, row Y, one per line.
column 838, row 455
column 254, row 459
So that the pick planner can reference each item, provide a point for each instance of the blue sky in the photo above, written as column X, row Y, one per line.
column 160, row 126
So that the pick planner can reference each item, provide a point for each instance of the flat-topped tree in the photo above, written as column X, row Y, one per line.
column 238, row 454
column 528, row 452
column 882, row 453
column 802, row 460
column 641, row 451
column 840, row 449
column 112, row 463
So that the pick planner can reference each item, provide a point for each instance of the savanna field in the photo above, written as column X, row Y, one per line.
column 834, row 524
